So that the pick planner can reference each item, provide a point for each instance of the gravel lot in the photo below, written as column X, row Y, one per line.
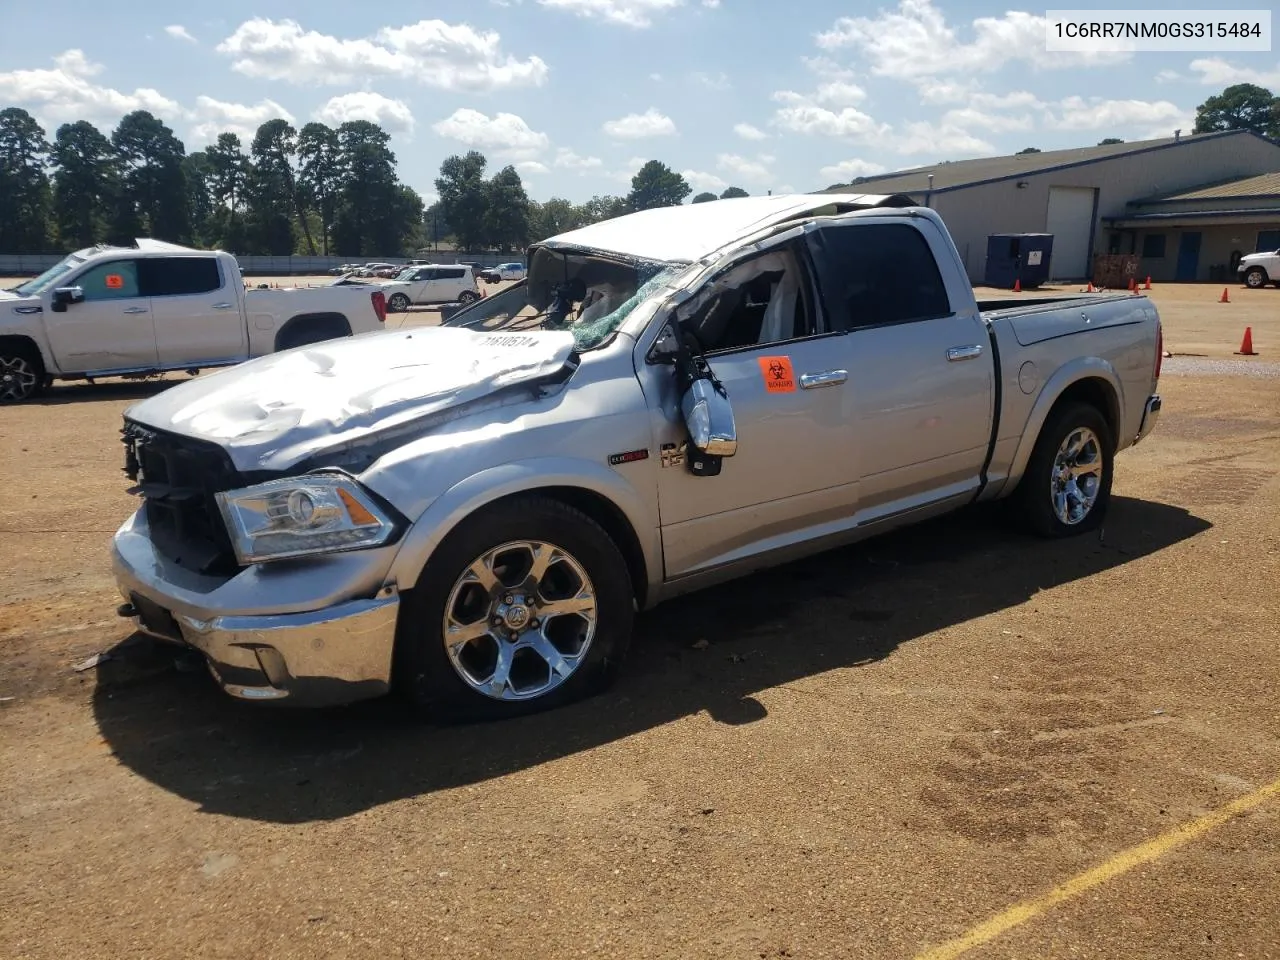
column 875, row 751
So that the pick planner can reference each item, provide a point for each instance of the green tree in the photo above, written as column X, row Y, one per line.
column 657, row 185
column 554, row 217
column 85, row 183
column 1242, row 106
column 24, row 184
column 435, row 225
column 1028, row 150
column 272, row 200
column 732, row 192
column 200, row 201
column 320, row 174
column 506, row 215
column 1108, row 141
column 228, row 176
column 601, row 208
column 463, row 197
column 704, row 197
column 154, row 194
column 369, row 193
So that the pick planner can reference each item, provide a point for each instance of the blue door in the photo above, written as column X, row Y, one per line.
column 1188, row 257
column 1268, row 240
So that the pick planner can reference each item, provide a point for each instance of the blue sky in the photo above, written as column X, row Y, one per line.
column 578, row 93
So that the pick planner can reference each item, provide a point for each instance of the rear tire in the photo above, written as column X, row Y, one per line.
column 455, row 628
column 1066, row 489
column 468, row 297
column 22, row 374
column 398, row 303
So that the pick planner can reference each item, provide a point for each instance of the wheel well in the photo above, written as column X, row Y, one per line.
column 615, row 523
column 24, row 345
column 1098, row 394
column 331, row 324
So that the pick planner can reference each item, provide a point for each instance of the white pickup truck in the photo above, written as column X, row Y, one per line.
column 127, row 311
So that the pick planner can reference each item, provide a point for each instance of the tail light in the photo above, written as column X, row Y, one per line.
column 379, row 305
column 1159, row 347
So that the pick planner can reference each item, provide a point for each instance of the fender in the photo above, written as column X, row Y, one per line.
column 526, row 476
column 25, row 322
column 1082, row 368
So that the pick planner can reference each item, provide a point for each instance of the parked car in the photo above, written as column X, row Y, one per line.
column 474, row 512
column 1259, row 269
column 503, row 271
column 438, row 283
column 111, row 311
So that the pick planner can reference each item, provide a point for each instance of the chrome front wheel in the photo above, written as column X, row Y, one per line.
column 519, row 621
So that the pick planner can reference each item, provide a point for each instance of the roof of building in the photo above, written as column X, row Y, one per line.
column 1247, row 188
column 689, row 232
column 953, row 174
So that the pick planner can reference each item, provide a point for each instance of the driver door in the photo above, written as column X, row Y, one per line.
column 795, row 473
column 112, row 329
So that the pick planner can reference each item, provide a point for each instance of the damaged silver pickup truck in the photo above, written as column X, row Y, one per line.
column 474, row 513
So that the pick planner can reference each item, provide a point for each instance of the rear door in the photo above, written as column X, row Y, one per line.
column 196, row 310
column 111, row 330
column 920, row 367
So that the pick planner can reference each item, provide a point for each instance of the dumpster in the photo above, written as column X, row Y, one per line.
column 1018, row 256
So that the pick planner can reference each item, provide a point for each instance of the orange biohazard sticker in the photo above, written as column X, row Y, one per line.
column 778, row 375
column 115, row 281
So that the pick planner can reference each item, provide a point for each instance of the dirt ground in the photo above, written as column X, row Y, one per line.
column 875, row 752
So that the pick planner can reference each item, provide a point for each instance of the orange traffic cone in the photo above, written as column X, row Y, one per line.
column 1148, row 286
column 1132, row 285
column 1017, row 285
column 1090, row 289
column 1224, row 298
column 1246, row 345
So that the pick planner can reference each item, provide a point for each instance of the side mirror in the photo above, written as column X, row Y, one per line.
column 709, row 417
column 64, row 296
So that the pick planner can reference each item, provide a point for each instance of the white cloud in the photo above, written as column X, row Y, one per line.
column 744, row 169
column 432, row 52
column 747, row 132
column 630, row 13
column 569, row 160
column 66, row 93
column 504, row 133
column 635, row 126
column 627, row 171
column 179, row 32
column 1168, row 76
column 1214, row 71
column 847, row 170
column 394, row 116
column 802, row 117
column 711, row 4
column 532, row 166
column 935, row 90
column 941, row 140
column 1158, row 118
column 915, row 41
column 719, row 82
column 700, row 181
column 966, row 117
column 839, row 93
column 213, row 117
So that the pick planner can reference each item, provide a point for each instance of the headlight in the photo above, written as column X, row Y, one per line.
column 316, row 513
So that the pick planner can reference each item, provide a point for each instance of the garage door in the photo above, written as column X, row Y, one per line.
column 1070, row 221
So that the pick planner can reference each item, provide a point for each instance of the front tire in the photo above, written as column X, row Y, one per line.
column 1255, row 278
column 398, row 303
column 525, row 606
column 22, row 374
column 1066, row 489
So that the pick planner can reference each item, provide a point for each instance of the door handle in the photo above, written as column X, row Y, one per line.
column 136, row 310
column 964, row 353
column 223, row 306
column 829, row 378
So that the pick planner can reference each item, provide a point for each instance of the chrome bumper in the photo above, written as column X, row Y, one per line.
column 1150, row 417
column 336, row 653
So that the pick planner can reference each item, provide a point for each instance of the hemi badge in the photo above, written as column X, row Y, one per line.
column 631, row 456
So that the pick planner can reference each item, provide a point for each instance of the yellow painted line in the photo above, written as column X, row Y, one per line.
column 1121, row 863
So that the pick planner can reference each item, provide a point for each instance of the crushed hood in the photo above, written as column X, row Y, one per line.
column 272, row 412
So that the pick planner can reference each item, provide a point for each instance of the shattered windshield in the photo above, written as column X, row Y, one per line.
column 592, row 304
column 37, row 285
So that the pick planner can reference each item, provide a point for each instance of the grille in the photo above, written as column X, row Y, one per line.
column 177, row 478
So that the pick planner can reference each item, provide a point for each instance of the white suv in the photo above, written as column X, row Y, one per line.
column 435, row 283
column 1259, row 269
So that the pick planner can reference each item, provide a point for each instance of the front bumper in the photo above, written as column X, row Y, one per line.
column 1150, row 417
column 337, row 652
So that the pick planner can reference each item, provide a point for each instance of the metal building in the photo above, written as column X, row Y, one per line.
column 1089, row 198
